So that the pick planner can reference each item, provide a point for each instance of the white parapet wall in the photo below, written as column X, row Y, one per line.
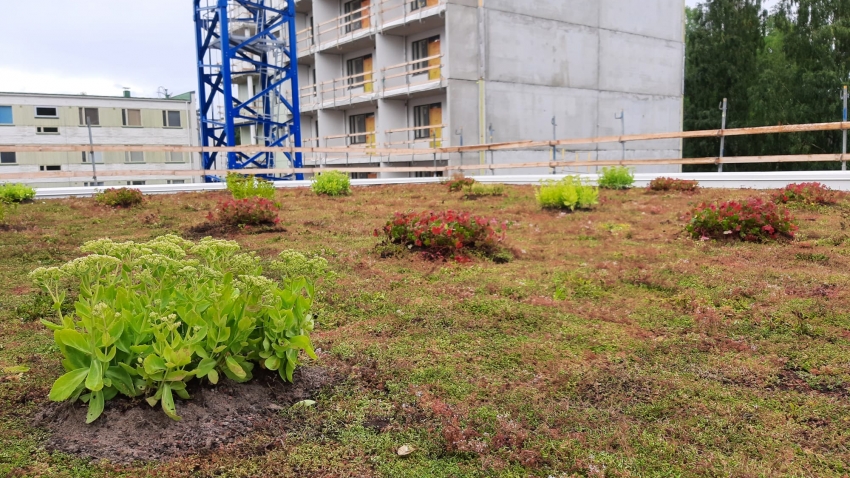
column 839, row 180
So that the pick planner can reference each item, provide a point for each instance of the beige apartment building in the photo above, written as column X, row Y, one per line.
column 49, row 119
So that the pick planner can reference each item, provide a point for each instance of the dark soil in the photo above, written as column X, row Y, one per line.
column 216, row 229
column 131, row 430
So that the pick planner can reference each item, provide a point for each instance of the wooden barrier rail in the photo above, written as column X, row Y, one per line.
column 508, row 146
column 521, row 145
column 410, row 169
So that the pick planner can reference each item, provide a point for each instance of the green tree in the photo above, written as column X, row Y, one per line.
column 722, row 45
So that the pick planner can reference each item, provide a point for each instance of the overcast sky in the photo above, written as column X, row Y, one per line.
column 99, row 46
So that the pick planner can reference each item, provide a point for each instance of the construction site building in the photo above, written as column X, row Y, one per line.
column 53, row 119
column 412, row 74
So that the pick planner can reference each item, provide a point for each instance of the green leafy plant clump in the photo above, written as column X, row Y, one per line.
column 245, row 186
column 16, row 193
column 477, row 190
column 332, row 183
column 150, row 317
column 120, row 197
column 568, row 193
column 753, row 220
column 616, row 177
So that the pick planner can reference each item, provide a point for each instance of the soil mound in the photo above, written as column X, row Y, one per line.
column 131, row 430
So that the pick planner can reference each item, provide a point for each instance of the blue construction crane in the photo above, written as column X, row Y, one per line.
column 250, row 46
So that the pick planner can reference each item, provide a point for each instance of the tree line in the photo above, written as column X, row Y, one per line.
column 787, row 65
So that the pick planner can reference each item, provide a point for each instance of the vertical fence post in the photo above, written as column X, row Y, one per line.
column 844, row 131
column 91, row 152
column 554, row 138
column 722, row 136
column 622, row 118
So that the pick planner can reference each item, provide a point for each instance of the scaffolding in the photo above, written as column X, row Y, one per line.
column 248, row 81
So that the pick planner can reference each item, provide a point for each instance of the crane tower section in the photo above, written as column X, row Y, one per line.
column 248, row 81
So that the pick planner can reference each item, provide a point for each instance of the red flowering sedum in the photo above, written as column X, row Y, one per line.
column 754, row 220
column 252, row 211
column 448, row 234
column 670, row 184
column 806, row 193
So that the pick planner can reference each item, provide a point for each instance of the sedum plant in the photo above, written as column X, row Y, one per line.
column 568, row 193
column 616, row 177
column 120, row 197
column 14, row 192
column 332, row 183
column 244, row 186
column 150, row 317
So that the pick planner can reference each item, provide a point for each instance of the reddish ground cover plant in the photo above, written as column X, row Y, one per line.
column 671, row 184
column 753, row 220
column 445, row 235
column 252, row 211
column 806, row 193
column 120, row 197
column 458, row 182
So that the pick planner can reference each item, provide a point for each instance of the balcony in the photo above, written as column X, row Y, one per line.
column 346, row 32
column 425, row 137
column 413, row 76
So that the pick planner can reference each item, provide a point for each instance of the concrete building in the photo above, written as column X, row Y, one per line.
column 414, row 73
column 47, row 119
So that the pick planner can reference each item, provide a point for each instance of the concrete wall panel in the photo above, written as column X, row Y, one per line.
column 578, row 12
column 637, row 64
column 523, row 49
column 663, row 19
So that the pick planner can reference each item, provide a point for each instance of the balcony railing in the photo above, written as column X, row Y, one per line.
column 403, row 75
column 432, row 137
column 393, row 79
column 348, row 24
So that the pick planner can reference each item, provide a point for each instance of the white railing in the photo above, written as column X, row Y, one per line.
column 347, row 87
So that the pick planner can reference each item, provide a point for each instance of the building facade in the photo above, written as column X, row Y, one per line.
column 47, row 119
column 411, row 74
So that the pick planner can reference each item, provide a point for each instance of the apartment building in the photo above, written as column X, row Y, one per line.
column 411, row 74
column 48, row 119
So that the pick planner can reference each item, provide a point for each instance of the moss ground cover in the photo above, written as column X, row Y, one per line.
column 599, row 351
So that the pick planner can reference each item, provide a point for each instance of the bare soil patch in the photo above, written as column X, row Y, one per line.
column 131, row 430
column 215, row 229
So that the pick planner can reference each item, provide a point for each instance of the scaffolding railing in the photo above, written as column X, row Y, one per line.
column 347, row 24
column 347, row 87
column 407, row 10
column 404, row 74
column 432, row 137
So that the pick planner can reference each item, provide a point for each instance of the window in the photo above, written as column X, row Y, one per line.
column 134, row 157
column 93, row 184
column 360, row 124
column 428, row 174
column 132, row 117
column 354, row 21
column 47, row 130
column 46, row 112
column 426, row 115
column 89, row 116
column 420, row 49
column 417, row 4
column 50, row 168
column 8, row 158
column 356, row 69
column 135, row 183
column 6, row 115
column 176, row 181
column 98, row 157
column 173, row 157
column 171, row 119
